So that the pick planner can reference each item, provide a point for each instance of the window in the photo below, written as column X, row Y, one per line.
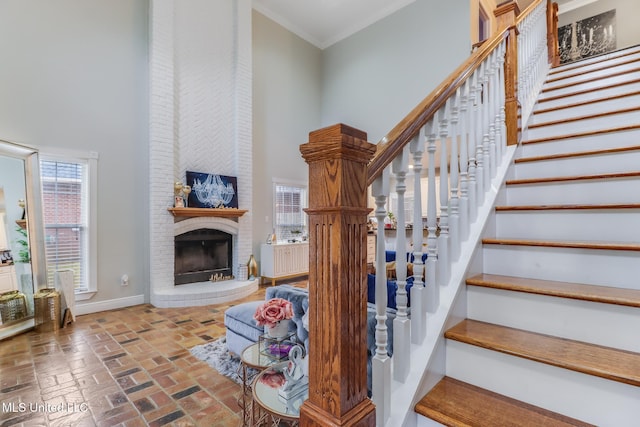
column 68, row 210
column 289, row 217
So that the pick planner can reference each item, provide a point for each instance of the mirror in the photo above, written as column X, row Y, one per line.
column 22, row 262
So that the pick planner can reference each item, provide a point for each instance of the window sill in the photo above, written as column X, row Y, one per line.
column 85, row 295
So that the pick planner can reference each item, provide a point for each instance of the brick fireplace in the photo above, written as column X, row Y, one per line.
column 200, row 120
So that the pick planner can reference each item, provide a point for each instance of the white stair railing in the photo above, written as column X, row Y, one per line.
column 533, row 64
column 461, row 143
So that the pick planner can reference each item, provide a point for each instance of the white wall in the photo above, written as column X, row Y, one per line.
column 74, row 76
column 627, row 12
column 372, row 79
column 287, row 88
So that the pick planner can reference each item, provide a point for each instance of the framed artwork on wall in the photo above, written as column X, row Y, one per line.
column 588, row 37
column 212, row 191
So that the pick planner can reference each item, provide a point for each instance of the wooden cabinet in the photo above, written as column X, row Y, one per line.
column 8, row 278
column 284, row 260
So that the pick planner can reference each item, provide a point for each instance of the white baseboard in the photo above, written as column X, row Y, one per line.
column 112, row 304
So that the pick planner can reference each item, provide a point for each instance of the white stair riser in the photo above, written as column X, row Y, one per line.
column 584, row 125
column 583, row 165
column 585, row 397
column 586, row 110
column 426, row 422
column 583, row 143
column 595, row 74
column 570, row 225
column 589, row 96
column 591, row 85
column 596, row 191
column 561, row 317
column 594, row 62
column 589, row 266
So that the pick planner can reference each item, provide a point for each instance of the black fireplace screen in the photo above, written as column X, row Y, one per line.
column 203, row 255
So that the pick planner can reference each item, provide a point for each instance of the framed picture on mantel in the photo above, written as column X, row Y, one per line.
column 212, row 191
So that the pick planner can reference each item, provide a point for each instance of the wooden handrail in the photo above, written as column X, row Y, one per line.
column 528, row 10
column 393, row 143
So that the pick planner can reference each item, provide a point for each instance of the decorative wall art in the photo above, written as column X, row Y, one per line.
column 589, row 37
column 212, row 191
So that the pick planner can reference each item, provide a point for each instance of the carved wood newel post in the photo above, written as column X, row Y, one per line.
column 506, row 15
column 337, row 156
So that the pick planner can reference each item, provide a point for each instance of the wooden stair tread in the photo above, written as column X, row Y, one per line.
column 578, row 291
column 584, row 91
column 577, row 154
column 585, row 117
column 611, row 246
column 581, row 134
column 612, row 206
column 552, row 79
column 573, row 178
column 594, row 79
column 605, row 362
column 632, row 50
column 455, row 403
column 583, row 103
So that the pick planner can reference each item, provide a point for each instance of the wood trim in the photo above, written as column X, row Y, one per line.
column 455, row 403
column 604, row 57
column 22, row 223
column 604, row 362
column 595, row 79
column 581, row 134
column 582, row 92
column 577, row 154
column 634, row 247
column 209, row 212
column 394, row 142
column 593, row 70
column 567, row 207
column 572, row 178
column 583, row 103
column 577, row 291
column 587, row 117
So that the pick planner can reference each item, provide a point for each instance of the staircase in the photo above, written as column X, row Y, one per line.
column 552, row 335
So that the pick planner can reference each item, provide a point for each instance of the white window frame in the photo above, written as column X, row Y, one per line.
column 305, row 202
column 89, row 158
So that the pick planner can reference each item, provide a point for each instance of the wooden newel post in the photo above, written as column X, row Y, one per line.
column 552, row 34
column 506, row 15
column 337, row 156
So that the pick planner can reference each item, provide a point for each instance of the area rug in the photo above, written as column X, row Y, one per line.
column 217, row 355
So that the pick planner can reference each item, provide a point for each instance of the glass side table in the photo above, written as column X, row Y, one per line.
column 275, row 409
column 266, row 352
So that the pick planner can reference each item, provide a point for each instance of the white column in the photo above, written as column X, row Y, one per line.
column 431, row 282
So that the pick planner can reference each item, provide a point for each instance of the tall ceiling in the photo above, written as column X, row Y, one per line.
column 325, row 22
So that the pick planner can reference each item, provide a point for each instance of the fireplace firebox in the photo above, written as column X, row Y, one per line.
column 202, row 255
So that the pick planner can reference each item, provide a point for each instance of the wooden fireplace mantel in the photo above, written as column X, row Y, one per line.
column 219, row 212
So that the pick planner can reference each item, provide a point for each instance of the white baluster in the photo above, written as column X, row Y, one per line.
column 500, row 135
column 381, row 363
column 493, row 108
column 454, row 203
column 464, row 162
column 431, row 282
column 486, row 126
column 443, row 238
column 480, row 103
column 401, row 324
column 471, row 131
column 418, row 292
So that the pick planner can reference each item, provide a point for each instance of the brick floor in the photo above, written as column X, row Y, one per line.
column 128, row 367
